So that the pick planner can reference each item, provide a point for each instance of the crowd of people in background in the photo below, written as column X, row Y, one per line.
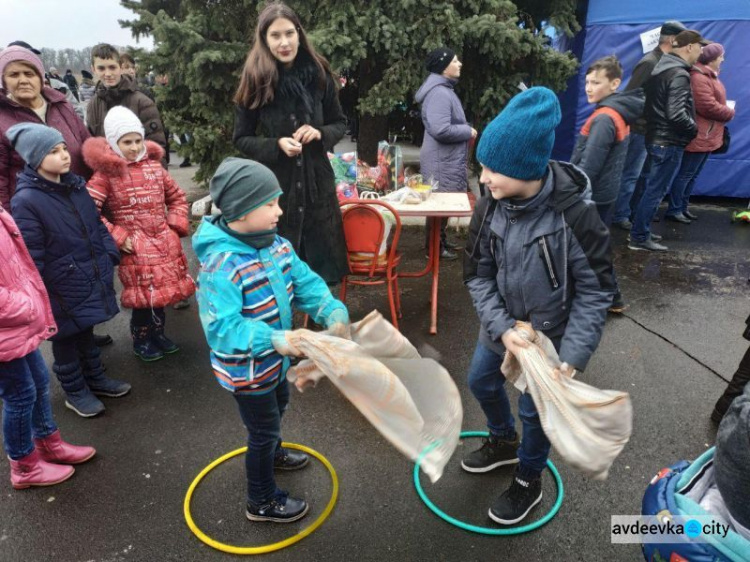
column 88, row 196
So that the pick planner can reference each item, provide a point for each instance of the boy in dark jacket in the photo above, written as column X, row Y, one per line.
column 603, row 143
column 537, row 251
column 75, row 256
column 115, row 88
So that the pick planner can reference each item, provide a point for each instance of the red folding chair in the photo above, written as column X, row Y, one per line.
column 365, row 230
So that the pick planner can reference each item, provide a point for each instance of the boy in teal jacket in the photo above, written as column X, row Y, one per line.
column 250, row 279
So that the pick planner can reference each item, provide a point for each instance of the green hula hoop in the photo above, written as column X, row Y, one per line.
column 487, row 530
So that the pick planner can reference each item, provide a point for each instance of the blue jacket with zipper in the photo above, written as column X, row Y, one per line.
column 71, row 248
column 246, row 296
column 546, row 260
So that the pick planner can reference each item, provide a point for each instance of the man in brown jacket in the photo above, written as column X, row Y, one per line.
column 115, row 88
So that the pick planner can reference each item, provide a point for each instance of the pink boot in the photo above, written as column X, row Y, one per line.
column 53, row 449
column 31, row 470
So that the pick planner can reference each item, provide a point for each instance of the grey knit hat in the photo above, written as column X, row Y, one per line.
column 240, row 186
column 33, row 141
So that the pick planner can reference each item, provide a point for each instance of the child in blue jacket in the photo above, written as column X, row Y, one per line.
column 538, row 252
column 75, row 256
column 250, row 279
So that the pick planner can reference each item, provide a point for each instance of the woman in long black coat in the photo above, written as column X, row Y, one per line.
column 288, row 117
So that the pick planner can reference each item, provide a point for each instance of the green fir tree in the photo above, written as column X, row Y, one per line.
column 202, row 44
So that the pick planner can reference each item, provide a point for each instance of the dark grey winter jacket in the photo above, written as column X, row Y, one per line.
column 546, row 260
column 602, row 144
column 444, row 153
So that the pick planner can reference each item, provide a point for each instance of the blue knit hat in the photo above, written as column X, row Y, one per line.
column 33, row 141
column 518, row 142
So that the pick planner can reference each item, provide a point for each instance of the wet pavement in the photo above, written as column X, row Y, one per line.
column 672, row 350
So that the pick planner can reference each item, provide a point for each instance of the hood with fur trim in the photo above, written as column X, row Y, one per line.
column 101, row 158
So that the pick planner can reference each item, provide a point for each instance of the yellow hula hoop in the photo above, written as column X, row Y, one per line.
column 264, row 549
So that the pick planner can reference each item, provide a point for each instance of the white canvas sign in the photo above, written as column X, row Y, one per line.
column 650, row 39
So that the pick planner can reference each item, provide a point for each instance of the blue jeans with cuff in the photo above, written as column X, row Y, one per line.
column 487, row 383
column 261, row 414
column 27, row 413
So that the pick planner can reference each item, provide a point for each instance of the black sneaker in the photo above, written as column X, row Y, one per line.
column 690, row 215
column 654, row 237
column 492, row 454
column 281, row 509
column 517, row 501
column 286, row 459
column 451, row 245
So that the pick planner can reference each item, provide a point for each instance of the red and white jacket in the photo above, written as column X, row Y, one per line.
column 132, row 197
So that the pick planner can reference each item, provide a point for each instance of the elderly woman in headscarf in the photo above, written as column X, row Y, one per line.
column 25, row 99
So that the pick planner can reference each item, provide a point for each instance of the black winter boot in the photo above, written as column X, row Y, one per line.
column 97, row 381
column 161, row 341
column 143, row 347
column 78, row 396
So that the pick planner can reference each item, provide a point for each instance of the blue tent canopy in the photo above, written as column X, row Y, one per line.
column 615, row 27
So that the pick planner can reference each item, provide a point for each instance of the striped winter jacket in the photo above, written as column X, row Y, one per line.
column 245, row 297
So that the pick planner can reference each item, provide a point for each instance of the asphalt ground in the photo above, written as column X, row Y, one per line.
column 672, row 350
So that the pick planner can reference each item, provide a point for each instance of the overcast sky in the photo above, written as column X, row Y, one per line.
column 60, row 24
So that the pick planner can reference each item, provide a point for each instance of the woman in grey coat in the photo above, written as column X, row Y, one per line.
column 445, row 148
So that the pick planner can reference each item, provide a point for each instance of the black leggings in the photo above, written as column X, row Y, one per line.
column 147, row 317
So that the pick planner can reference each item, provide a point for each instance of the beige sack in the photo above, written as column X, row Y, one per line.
column 412, row 401
column 588, row 427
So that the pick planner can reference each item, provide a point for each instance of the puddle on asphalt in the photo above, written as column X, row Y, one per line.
column 693, row 272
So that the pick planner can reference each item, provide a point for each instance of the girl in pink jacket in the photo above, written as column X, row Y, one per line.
column 25, row 321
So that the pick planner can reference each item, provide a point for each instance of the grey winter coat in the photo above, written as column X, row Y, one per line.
column 444, row 152
column 602, row 144
column 546, row 260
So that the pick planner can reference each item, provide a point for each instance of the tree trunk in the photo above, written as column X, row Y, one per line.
column 372, row 128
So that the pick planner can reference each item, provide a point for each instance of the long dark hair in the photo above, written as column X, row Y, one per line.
column 260, row 74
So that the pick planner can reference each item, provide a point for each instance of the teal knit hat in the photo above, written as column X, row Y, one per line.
column 33, row 141
column 518, row 142
column 240, row 186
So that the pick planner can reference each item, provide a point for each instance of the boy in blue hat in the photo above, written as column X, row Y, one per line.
column 250, row 278
column 538, row 252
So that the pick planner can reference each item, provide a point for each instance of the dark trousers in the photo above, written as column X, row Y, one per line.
column 607, row 213
column 69, row 350
column 736, row 386
column 487, row 384
column 262, row 415
column 148, row 317
column 428, row 231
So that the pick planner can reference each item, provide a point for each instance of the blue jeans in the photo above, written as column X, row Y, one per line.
column 664, row 161
column 487, row 384
column 24, row 389
column 261, row 415
column 631, row 171
column 682, row 186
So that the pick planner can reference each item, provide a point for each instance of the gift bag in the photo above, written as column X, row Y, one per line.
column 345, row 172
column 411, row 400
column 588, row 427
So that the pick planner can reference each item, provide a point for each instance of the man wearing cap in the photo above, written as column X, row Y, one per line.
column 636, row 155
column 444, row 154
column 671, row 125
